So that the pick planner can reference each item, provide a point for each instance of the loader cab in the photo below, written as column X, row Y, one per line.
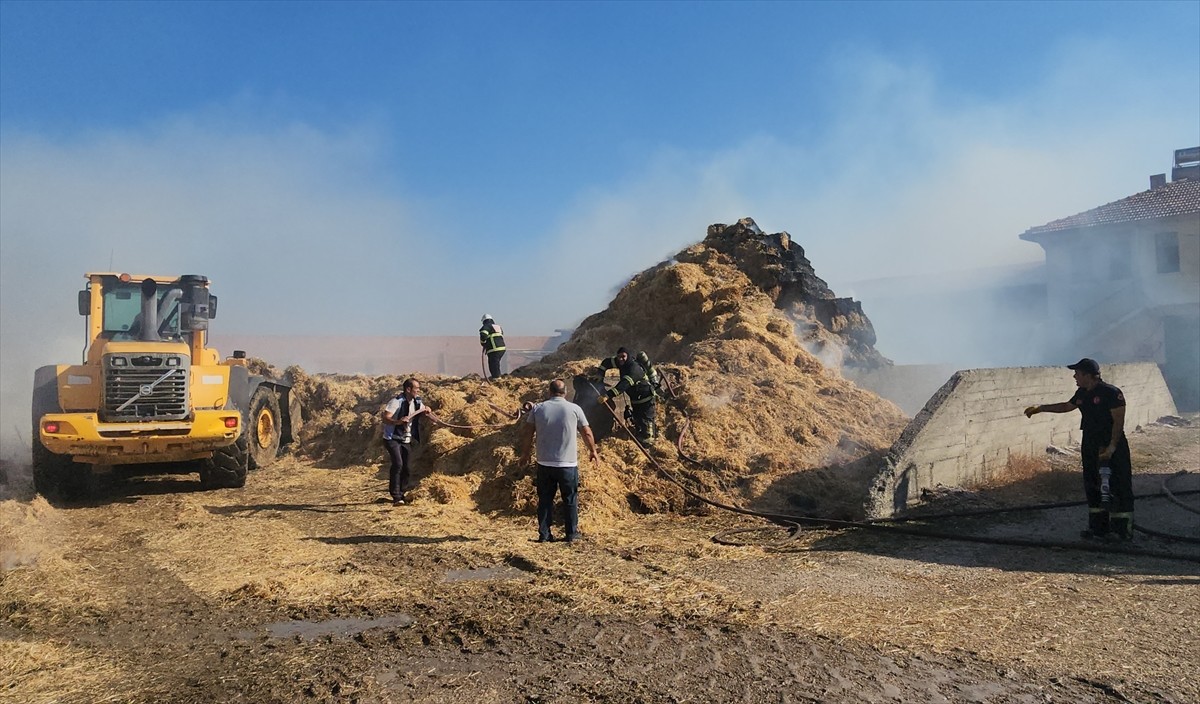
column 147, row 309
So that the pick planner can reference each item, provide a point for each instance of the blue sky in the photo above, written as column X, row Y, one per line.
column 401, row 168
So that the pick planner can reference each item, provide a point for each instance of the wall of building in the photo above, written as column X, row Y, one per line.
column 1115, row 268
column 1107, row 300
column 969, row 428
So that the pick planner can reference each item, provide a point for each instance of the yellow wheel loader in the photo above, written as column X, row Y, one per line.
column 150, row 392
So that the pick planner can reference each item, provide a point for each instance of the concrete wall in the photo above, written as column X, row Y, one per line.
column 967, row 430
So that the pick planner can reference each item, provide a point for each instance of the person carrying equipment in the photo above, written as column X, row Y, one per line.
column 491, row 338
column 635, row 383
column 1104, row 452
column 401, row 431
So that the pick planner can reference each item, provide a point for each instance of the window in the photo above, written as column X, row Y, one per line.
column 1166, row 250
column 123, row 311
column 122, row 306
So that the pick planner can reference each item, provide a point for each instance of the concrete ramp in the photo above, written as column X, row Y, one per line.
column 968, row 429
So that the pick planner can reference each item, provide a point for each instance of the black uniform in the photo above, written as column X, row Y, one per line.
column 491, row 337
column 1115, row 514
column 636, row 384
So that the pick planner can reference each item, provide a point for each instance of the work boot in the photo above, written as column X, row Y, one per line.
column 1122, row 527
column 1098, row 521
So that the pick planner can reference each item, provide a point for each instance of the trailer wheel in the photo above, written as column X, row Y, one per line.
column 226, row 469
column 264, row 425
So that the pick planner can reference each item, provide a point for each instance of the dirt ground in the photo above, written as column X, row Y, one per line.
column 307, row 586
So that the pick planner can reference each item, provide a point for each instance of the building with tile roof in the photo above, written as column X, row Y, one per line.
column 1123, row 279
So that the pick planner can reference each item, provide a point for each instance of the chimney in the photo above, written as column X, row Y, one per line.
column 1157, row 181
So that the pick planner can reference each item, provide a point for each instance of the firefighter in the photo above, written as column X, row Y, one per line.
column 636, row 384
column 491, row 338
column 651, row 373
column 1107, row 471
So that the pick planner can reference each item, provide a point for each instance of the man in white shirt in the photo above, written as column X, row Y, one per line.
column 402, row 430
column 555, row 424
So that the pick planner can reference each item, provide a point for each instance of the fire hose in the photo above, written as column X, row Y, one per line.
column 794, row 522
column 1167, row 491
column 516, row 416
column 1164, row 491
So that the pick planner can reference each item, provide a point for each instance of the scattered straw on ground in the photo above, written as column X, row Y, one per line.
column 39, row 569
column 41, row 672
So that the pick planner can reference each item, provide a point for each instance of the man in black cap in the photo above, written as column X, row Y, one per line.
column 1107, row 470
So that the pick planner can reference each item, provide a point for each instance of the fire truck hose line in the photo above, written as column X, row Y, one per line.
column 794, row 522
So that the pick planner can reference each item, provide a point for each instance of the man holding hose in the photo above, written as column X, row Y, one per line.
column 1104, row 452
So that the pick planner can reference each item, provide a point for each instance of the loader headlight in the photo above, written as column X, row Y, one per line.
column 118, row 361
column 172, row 361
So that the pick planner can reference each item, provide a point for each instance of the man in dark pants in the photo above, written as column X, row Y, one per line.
column 1107, row 469
column 491, row 338
column 554, row 423
column 635, row 382
column 401, row 430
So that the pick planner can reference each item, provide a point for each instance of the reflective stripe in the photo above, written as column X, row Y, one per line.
column 1125, row 514
column 645, row 400
column 491, row 341
column 1097, row 510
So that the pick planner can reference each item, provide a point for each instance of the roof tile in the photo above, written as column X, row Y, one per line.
column 1174, row 198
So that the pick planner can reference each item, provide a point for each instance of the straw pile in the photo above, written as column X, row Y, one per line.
column 728, row 320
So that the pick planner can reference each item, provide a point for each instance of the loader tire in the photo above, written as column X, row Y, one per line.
column 295, row 417
column 264, row 426
column 55, row 476
column 226, row 469
column 58, row 476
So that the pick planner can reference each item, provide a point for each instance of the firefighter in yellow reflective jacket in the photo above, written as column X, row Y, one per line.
column 634, row 381
column 491, row 338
